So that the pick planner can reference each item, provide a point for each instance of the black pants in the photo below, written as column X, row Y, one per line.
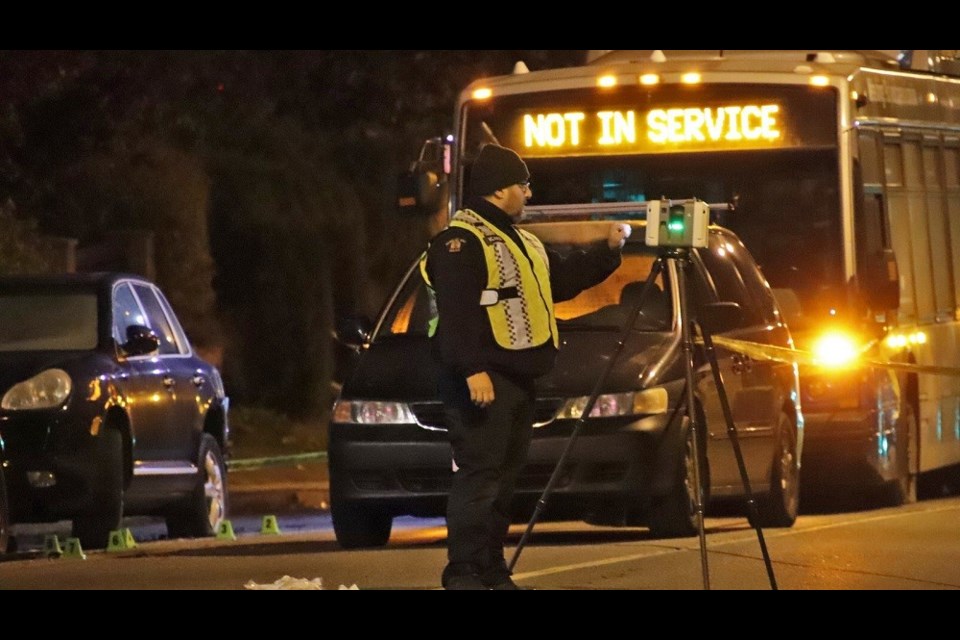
column 489, row 449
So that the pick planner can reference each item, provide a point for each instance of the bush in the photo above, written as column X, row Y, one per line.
column 259, row 432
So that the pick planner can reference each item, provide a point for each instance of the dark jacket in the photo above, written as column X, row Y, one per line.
column 464, row 341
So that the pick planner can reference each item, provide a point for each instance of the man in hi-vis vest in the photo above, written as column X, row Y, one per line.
column 495, row 286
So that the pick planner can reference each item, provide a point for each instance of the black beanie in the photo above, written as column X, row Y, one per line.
column 495, row 168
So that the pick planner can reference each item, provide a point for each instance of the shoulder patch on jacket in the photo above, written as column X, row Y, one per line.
column 454, row 245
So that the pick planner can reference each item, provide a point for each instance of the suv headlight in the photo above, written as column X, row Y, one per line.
column 43, row 391
column 372, row 412
column 642, row 403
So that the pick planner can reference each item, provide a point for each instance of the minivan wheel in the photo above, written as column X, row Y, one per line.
column 356, row 527
column 93, row 528
column 674, row 515
column 780, row 506
column 200, row 513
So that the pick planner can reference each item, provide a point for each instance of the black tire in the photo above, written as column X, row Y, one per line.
column 357, row 528
column 675, row 515
column 93, row 528
column 4, row 516
column 199, row 514
column 780, row 506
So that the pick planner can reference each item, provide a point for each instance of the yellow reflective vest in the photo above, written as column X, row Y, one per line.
column 517, row 297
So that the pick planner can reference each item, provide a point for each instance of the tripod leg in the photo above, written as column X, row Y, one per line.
column 695, row 426
column 753, row 514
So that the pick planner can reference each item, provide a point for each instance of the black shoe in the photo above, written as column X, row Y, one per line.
column 498, row 579
column 468, row 582
column 459, row 577
column 505, row 583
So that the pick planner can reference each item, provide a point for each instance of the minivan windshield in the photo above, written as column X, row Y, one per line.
column 606, row 306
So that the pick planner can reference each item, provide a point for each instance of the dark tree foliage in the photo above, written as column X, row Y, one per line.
column 267, row 178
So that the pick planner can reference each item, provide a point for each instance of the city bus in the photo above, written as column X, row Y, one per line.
column 841, row 170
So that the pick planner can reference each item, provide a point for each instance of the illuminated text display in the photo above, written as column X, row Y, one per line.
column 732, row 126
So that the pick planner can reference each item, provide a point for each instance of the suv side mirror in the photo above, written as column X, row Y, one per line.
column 880, row 281
column 141, row 341
column 423, row 189
column 720, row 317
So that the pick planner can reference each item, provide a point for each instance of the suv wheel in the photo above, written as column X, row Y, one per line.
column 780, row 506
column 356, row 527
column 93, row 528
column 200, row 513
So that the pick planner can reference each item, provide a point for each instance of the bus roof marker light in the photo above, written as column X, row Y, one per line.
column 607, row 81
column 691, row 77
column 483, row 93
column 819, row 81
column 649, row 79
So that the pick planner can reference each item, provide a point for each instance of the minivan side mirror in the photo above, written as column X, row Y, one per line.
column 141, row 341
column 353, row 331
column 720, row 317
column 788, row 303
column 880, row 281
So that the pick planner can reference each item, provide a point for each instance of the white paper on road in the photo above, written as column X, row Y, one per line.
column 288, row 583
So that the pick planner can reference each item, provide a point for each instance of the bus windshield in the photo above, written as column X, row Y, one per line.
column 769, row 150
column 787, row 209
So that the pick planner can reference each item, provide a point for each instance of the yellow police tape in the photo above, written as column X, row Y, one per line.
column 805, row 358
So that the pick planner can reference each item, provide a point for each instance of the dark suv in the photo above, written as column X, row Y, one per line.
column 633, row 461
column 105, row 409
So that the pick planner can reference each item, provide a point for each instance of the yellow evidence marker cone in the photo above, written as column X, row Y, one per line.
column 225, row 531
column 51, row 546
column 73, row 550
column 270, row 526
column 121, row 540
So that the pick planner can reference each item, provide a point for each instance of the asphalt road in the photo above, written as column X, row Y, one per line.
column 914, row 547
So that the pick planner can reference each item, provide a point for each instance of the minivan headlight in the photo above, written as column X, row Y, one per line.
column 640, row 403
column 372, row 412
column 43, row 391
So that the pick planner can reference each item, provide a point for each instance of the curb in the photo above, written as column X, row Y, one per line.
column 280, row 497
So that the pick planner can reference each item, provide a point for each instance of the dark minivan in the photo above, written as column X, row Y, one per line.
column 632, row 463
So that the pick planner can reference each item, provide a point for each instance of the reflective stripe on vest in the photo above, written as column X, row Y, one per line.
column 521, row 317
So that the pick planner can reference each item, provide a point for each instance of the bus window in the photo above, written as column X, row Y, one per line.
column 939, row 231
column 871, row 235
column 951, row 158
column 869, row 162
column 919, row 235
column 899, row 223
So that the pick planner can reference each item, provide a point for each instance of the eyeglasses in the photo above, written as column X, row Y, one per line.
column 524, row 185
